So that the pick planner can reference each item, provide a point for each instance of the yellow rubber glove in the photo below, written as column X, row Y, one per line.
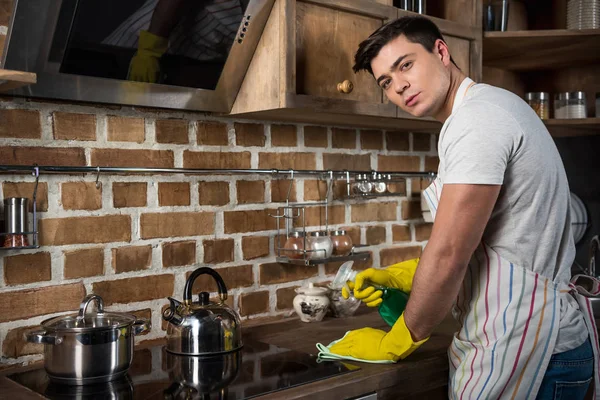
column 374, row 344
column 145, row 65
column 398, row 276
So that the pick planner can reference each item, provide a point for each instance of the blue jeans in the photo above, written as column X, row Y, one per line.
column 569, row 374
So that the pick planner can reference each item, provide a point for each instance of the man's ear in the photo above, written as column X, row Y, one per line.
column 442, row 51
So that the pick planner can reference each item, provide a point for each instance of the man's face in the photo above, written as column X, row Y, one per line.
column 414, row 79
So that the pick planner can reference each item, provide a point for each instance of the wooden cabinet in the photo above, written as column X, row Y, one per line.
column 302, row 68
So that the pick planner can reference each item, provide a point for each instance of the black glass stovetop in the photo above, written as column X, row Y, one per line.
column 258, row 369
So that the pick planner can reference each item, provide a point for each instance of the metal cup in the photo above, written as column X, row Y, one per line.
column 15, row 214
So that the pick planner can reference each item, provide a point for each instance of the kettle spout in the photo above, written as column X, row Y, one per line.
column 170, row 314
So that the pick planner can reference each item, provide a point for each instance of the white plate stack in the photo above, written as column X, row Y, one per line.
column 579, row 218
column 583, row 14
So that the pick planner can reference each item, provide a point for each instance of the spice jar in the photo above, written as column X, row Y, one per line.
column 320, row 245
column 540, row 102
column 295, row 244
column 342, row 243
column 379, row 186
column 364, row 186
column 15, row 222
column 570, row 105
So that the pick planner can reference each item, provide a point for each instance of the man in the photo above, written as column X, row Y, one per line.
column 501, row 246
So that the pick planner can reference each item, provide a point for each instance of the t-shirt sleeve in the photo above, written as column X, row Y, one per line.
column 478, row 145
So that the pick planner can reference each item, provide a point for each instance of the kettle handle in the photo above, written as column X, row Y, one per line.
column 187, row 291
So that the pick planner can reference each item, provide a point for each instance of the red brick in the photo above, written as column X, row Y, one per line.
column 234, row 277
column 81, row 196
column 23, row 304
column 255, row 247
column 418, row 185
column 25, row 189
column 315, row 136
column 283, row 136
column 213, row 193
column 129, row 194
column 371, row 140
column 315, row 190
column 421, row 142
column 175, row 254
column 131, row 258
column 248, row 221
column 287, row 160
column 431, row 164
column 398, row 254
column 157, row 225
column 212, row 134
column 285, row 297
column 411, row 209
column 398, row 163
column 359, row 265
column 375, row 235
column 400, row 233
column 249, row 134
column 84, row 263
column 27, row 268
column 278, row 273
column 216, row 159
column 343, row 138
column 351, row 162
column 368, row 212
column 129, row 290
column 397, row 141
column 218, row 251
column 254, row 303
column 15, row 343
column 250, row 192
column 133, row 158
column 121, row 129
column 72, row 126
column 172, row 131
column 423, row 231
column 280, row 188
column 21, row 124
column 173, row 194
column 73, row 230
column 21, row 155
column 315, row 216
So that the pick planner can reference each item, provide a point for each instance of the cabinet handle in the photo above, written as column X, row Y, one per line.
column 345, row 87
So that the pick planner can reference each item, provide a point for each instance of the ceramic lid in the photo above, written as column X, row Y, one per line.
column 312, row 290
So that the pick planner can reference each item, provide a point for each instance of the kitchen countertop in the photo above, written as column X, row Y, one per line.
column 425, row 371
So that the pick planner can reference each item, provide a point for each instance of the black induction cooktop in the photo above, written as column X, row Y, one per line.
column 257, row 369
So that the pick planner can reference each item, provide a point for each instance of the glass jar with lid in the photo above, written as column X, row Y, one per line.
column 540, row 102
column 320, row 245
column 342, row 242
column 294, row 245
column 379, row 186
column 570, row 105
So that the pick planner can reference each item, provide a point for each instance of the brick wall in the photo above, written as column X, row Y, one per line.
column 135, row 239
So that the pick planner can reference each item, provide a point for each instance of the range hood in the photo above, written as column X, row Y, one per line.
column 81, row 50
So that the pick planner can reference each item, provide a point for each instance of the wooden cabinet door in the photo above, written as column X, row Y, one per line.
column 460, row 51
column 327, row 37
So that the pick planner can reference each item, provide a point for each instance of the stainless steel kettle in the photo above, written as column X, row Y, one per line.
column 203, row 327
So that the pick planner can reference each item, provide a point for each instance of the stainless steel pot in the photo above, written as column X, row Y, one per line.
column 202, row 328
column 88, row 348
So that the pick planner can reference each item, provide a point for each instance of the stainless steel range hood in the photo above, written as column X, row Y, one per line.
column 81, row 50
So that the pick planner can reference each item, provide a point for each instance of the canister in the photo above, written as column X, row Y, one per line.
column 570, row 105
column 540, row 102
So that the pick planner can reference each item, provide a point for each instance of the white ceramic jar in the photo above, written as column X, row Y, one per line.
column 311, row 303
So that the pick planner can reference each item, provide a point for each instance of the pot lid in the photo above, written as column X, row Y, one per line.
column 312, row 290
column 91, row 321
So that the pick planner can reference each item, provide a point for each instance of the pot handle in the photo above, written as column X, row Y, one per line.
column 141, row 325
column 43, row 337
column 187, row 291
column 86, row 302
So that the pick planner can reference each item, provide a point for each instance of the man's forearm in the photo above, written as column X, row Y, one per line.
column 435, row 287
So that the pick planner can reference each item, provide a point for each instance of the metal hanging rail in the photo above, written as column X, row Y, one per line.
column 199, row 171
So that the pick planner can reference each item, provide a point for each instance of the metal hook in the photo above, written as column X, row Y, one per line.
column 98, row 184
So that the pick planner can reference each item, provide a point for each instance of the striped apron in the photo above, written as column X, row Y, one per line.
column 509, row 319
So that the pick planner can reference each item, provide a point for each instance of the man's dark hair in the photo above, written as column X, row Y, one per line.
column 417, row 29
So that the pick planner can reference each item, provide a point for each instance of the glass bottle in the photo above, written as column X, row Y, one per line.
column 294, row 245
column 379, row 186
column 320, row 245
column 342, row 242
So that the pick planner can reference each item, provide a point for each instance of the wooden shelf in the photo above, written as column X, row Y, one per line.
column 13, row 79
column 544, row 49
column 573, row 127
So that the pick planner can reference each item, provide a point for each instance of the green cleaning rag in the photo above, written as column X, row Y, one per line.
column 325, row 354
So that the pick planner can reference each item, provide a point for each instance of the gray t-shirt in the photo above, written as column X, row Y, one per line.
column 493, row 137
